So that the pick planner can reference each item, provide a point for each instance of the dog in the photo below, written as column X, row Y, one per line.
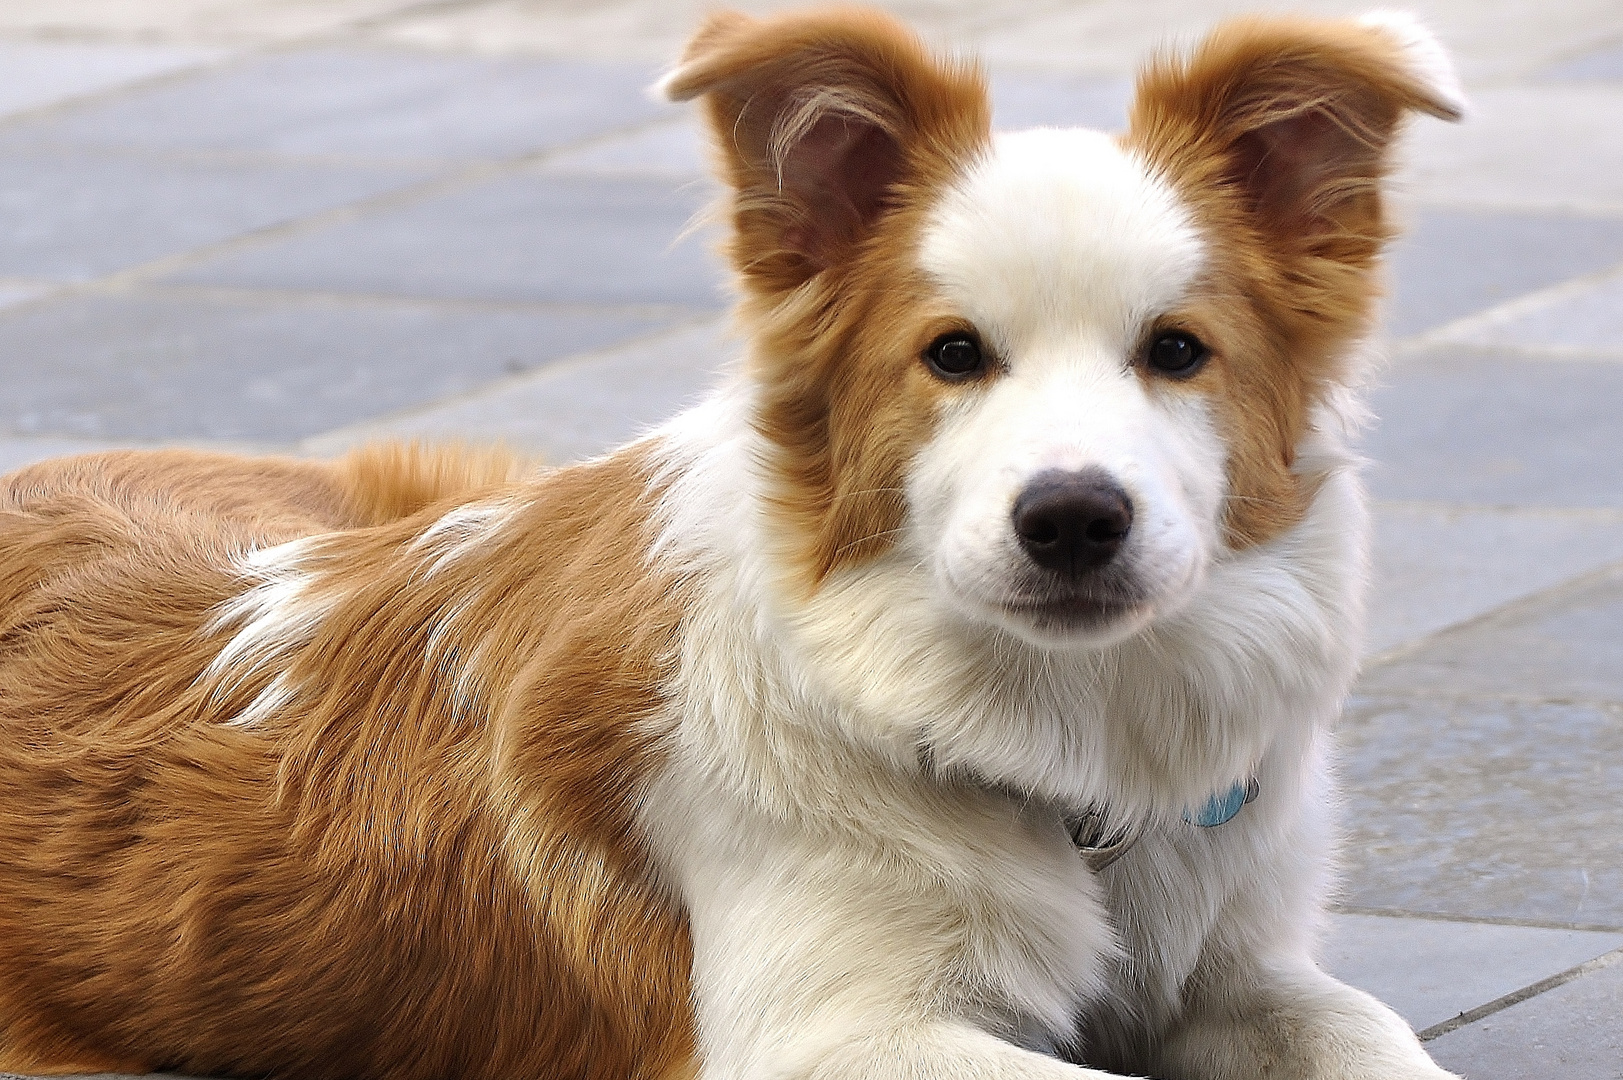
column 948, row 695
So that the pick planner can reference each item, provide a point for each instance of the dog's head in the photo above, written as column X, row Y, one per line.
column 1062, row 370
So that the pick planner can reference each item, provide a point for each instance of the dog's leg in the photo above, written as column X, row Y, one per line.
column 882, row 956
column 1292, row 1024
column 1250, row 1003
column 934, row 1051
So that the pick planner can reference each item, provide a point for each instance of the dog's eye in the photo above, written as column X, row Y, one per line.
column 1178, row 354
column 955, row 356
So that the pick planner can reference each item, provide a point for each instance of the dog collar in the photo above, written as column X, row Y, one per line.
column 1222, row 808
column 1096, row 843
column 1099, row 845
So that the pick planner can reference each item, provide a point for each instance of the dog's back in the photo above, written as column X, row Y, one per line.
column 175, row 874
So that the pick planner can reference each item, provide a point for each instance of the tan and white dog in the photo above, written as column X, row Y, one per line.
column 766, row 745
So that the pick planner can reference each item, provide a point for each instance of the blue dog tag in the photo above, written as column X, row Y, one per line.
column 1221, row 808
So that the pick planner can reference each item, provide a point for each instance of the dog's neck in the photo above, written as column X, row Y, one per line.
column 875, row 666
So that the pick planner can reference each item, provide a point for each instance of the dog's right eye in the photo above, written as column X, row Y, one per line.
column 955, row 356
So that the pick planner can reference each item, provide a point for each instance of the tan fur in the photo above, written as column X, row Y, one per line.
column 386, row 878
column 839, row 314
column 1277, row 132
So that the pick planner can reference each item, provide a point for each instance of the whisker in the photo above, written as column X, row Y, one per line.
column 864, row 539
column 867, row 491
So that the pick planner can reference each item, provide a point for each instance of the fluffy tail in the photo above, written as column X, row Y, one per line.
column 388, row 481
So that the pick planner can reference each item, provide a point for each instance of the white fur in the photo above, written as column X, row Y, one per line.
column 461, row 531
column 864, row 801
column 276, row 613
column 1429, row 61
column 1113, row 249
column 277, row 695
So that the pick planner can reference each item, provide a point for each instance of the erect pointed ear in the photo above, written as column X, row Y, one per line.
column 824, row 121
column 1296, row 116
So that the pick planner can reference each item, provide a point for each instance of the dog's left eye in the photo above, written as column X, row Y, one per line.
column 1177, row 354
column 955, row 356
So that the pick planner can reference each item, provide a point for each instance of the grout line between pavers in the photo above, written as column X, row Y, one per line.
column 1490, row 318
column 134, row 86
column 552, row 369
column 1485, row 920
column 396, row 198
column 1466, row 697
column 231, row 55
column 1503, row 613
column 1516, row 997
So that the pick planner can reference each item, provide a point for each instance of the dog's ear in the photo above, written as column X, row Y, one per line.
column 1296, row 116
column 823, row 121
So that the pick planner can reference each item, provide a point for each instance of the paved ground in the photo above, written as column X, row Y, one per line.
column 294, row 224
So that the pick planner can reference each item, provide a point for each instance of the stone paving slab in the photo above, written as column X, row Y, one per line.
column 570, row 410
column 1564, row 644
column 1023, row 101
column 154, row 365
column 12, row 293
column 1431, row 970
column 1485, row 162
column 1602, row 64
column 34, row 75
column 1438, row 564
column 16, row 452
column 1568, row 1031
column 1448, row 264
column 1466, row 426
column 1486, row 808
column 346, row 103
column 73, row 217
column 1580, row 319
column 525, row 237
column 1493, row 39
column 192, row 21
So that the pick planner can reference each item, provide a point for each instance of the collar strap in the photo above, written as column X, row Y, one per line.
column 1100, row 846
column 1221, row 808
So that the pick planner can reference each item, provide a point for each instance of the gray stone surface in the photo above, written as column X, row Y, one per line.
column 1485, row 807
column 1581, row 320
column 1605, row 64
column 675, row 150
column 12, row 294
column 72, row 217
column 569, row 410
column 1451, row 263
column 1439, row 564
column 36, row 74
column 1564, row 644
column 153, row 366
column 1525, row 148
column 1431, row 970
column 16, row 452
column 1464, row 426
column 237, row 22
column 519, row 237
column 1570, row 1031
column 1022, row 100
column 366, row 103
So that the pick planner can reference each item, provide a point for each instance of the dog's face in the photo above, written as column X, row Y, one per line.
column 1073, row 486
column 1060, row 372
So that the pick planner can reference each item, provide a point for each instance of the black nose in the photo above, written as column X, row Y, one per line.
column 1072, row 522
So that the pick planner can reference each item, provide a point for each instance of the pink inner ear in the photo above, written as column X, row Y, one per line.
column 1294, row 168
column 838, row 172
